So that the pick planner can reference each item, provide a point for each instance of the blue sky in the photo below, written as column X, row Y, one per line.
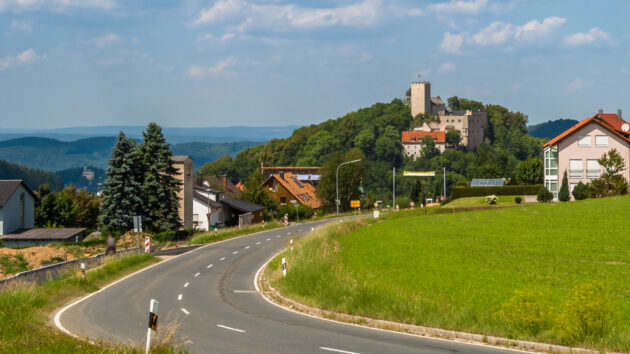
column 251, row 62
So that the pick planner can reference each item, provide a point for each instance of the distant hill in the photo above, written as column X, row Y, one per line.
column 55, row 155
column 74, row 176
column 551, row 129
column 32, row 177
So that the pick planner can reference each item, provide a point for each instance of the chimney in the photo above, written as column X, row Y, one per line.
column 600, row 111
column 282, row 175
column 619, row 114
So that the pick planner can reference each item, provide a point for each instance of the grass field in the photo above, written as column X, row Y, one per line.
column 25, row 311
column 481, row 201
column 555, row 273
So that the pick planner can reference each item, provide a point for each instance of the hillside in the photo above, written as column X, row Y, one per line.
column 55, row 155
column 551, row 129
column 32, row 177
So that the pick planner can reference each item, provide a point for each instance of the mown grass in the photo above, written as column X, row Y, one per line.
column 481, row 201
column 555, row 273
column 25, row 310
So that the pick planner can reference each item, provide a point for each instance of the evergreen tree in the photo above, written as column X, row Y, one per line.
column 563, row 194
column 160, row 187
column 122, row 190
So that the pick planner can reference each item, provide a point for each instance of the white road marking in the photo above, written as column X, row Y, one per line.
column 247, row 247
column 231, row 329
column 235, row 252
column 268, row 239
column 186, row 285
column 196, row 275
column 258, row 243
column 209, row 266
column 300, row 230
column 245, row 291
column 222, row 259
column 277, row 236
column 337, row 350
column 288, row 233
column 179, row 298
column 185, row 311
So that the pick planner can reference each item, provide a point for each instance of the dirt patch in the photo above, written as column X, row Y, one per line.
column 38, row 256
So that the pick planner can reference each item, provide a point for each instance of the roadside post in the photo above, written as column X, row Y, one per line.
column 153, row 320
column 286, row 219
column 291, row 243
column 355, row 204
column 412, row 204
column 83, row 269
column 147, row 244
column 137, row 228
column 284, row 267
column 297, row 215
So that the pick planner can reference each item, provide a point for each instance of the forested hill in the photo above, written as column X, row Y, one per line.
column 32, row 177
column 551, row 129
column 375, row 132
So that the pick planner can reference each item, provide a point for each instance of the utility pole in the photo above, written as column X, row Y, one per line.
column 394, row 189
column 444, row 182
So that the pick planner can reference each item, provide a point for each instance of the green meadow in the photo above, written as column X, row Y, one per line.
column 556, row 273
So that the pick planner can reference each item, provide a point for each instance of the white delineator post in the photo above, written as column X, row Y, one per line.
column 147, row 244
column 291, row 243
column 284, row 267
column 83, row 269
column 153, row 318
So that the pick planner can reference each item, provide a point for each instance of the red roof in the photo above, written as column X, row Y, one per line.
column 415, row 136
column 609, row 121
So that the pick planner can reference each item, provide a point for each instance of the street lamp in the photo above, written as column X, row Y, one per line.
column 337, row 202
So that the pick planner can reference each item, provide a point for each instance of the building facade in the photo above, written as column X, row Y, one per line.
column 578, row 148
column 17, row 206
column 184, row 166
column 412, row 141
column 286, row 188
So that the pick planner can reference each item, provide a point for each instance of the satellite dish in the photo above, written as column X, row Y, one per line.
column 625, row 127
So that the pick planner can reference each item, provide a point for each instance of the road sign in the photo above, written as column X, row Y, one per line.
column 147, row 244
column 137, row 224
column 355, row 203
column 337, row 202
column 419, row 173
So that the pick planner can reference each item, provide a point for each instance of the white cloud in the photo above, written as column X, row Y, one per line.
column 105, row 40
column 25, row 26
column 415, row 12
column 459, row 7
column 227, row 37
column 202, row 71
column 534, row 29
column 249, row 15
column 447, row 67
column 594, row 35
column 27, row 56
column 451, row 43
column 54, row 5
column 578, row 84
column 496, row 33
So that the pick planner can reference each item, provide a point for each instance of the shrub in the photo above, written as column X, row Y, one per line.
column 304, row 211
column 587, row 312
column 544, row 195
column 563, row 194
column 491, row 199
column 528, row 310
column 164, row 236
column 518, row 200
column 581, row 191
column 462, row 192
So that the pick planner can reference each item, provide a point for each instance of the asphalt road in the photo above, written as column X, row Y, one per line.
column 208, row 296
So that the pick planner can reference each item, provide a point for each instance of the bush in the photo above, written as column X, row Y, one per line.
column 587, row 312
column 563, row 194
column 491, row 199
column 544, row 195
column 462, row 192
column 518, row 200
column 164, row 236
column 581, row 191
column 304, row 211
column 527, row 310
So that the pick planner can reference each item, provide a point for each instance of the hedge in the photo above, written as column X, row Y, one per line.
column 462, row 192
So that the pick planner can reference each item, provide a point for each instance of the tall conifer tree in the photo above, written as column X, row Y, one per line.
column 122, row 190
column 160, row 187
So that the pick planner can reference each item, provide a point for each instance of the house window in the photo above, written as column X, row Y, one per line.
column 592, row 169
column 575, row 168
column 601, row 140
column 552, row 186
column 195, row 218
column 283, row 199
column 551, row 163
column 584, row 141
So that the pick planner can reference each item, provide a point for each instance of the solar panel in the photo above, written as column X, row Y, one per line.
column 482, row 182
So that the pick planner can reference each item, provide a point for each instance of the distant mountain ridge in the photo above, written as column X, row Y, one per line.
column 551, row 129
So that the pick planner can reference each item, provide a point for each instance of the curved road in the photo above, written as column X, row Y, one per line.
column 209, row 295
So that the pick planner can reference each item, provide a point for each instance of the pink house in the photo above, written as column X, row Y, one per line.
column 578, row 148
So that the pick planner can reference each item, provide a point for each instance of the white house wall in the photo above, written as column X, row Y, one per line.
column 11, row 212
column 201, row 209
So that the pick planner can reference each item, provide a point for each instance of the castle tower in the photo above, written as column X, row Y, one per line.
column 420, row 98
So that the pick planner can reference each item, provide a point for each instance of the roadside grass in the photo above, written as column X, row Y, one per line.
column 481, row 201
column 25, row 310
column 556, row 273
column 12, row 264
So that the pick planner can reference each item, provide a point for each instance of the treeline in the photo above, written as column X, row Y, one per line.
column 32, row 177
column 375, row 133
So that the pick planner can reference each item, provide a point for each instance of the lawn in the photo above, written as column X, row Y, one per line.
column 481, row 201
column 555, row 273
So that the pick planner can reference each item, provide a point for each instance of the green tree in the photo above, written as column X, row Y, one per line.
column 160, row 187
column 122, row 190
column 580, row 191
column 365, row 141
column 317, row 148
column 255, row 192
column 611, row 182
column 429, row 150
column 453, row 138
column 222, row 166
column 388, row 146
column 349, row 178
column 45, row 212
column 416, row 192
column 530, row 171
column 563, row 194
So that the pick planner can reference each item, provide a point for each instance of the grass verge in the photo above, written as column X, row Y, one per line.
column 224, row 234
column 25, row 310
column 481, row 201
column 554, row 273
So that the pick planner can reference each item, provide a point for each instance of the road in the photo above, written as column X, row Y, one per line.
column 208, row 296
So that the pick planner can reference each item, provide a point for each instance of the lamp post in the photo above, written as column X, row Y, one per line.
column 337, row 202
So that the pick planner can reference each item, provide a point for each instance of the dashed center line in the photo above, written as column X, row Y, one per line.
column 185, row 311
column 258, row 243
column 247, row 247
column 209, row 266
column 235, row 252
column 231, row 329
column 186, row 285
column 278, row 236
column 222, row 259
column 179, row 297
column 268, row 239
column 336, row 350
column 196, row 275
column 300, row 230
column 288, row 233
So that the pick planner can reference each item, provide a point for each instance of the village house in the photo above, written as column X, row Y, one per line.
column 213, row 209
column 578, row 148
column 184, row 166
column 309, row 175
column 285, row 188
column 412, row 141
column 222, row 183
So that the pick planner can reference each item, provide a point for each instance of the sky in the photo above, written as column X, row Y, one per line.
column 199, row 63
